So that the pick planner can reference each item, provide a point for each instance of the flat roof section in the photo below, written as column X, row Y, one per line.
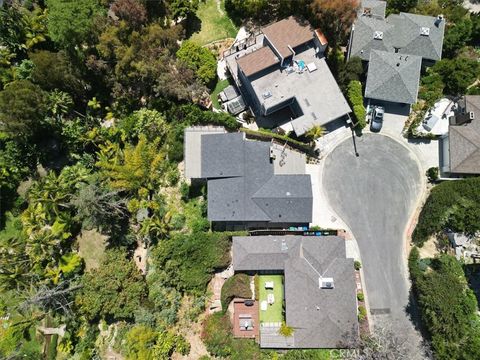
column 257, row 61
column 288, row 32
column 316, row 92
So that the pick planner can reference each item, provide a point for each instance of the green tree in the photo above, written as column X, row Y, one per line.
column 140, row 341
column 457, row 74
column 456, row 37
column 315, row 132
column 397, row 6
column 135, row 168
column 23, row 107
column 199, row 59
column 70, row 21
column 167, row 343
column 114, row 290
column 55, row 71
column 181, row 9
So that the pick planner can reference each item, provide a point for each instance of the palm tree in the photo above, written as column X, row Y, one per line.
column 315, row 132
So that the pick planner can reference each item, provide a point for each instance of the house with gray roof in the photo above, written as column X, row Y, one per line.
column 393, row 77
column 282, row 74
column 460, row 148
column 250, row 184
column 404, row 33
column 392, row 47
column 319, row 288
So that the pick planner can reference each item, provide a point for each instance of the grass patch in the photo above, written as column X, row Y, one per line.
column 221, row 85
column 91, row 247
column 215, row 24
column 274, row 312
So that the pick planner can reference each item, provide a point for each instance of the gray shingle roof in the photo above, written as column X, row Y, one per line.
column 322, row 318
column 376, row 7
column 408, row 38
column 464, row 140
column 393, row 77
column 243, row 186
column 401, row 31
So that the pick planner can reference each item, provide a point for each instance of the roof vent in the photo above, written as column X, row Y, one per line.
column 471, row 115
column 326, row 283
column 378, row 35
column 367, row 11
column 440, row 17
column 424, row 31
column 267, row 94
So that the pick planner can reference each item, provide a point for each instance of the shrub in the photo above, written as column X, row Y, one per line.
column 236, row 286
column 360, row 296
column 362, row 313
column 357, row 265
column 216, row 335
column 286, row 330
column 432, row 174
column 451, row 204
column 355, row 98
column 448, row 307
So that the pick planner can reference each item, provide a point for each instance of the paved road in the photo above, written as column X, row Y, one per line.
column 375, row 194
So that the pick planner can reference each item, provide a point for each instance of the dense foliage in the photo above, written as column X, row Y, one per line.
column 355, row 98
column 448, row 307
column 199, row 59
column 236, row 286
column 453, row 205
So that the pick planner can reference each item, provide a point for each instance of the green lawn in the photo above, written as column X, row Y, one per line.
column 274, row 311
column 215, row 25
column 221, row 84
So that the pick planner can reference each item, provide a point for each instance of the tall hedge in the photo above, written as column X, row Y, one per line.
column 236, row 286
column 448, row 307
column 355, row 98
column 452, row 204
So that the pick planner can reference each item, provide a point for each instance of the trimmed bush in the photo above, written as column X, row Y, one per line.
column 360, row 296
column 355, row 98
column 357, row 265
column 432, row 174
column 236, row 286
column 362, row 313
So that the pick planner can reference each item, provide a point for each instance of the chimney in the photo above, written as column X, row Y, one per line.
column 438, row 20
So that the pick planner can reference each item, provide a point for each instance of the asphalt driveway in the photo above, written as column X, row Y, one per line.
column 375, row 194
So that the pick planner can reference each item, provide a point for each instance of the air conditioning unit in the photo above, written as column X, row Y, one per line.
column 471, row 115
column 424, row 31
column 378, row 35
column 326, row 283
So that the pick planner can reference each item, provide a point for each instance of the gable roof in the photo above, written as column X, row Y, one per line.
column 257, row 61
column 243, row 185
column 464, row 140
column 393, row 77
column 400, row 31
column 288, row 32
column 322, row 318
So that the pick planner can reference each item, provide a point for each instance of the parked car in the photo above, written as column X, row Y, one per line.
column 377, row 119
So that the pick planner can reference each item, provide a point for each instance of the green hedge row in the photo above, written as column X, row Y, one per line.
column 355, row 98
column 267, row 135
column 236, row 286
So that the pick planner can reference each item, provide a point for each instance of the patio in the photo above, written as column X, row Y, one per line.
column 271, row 298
